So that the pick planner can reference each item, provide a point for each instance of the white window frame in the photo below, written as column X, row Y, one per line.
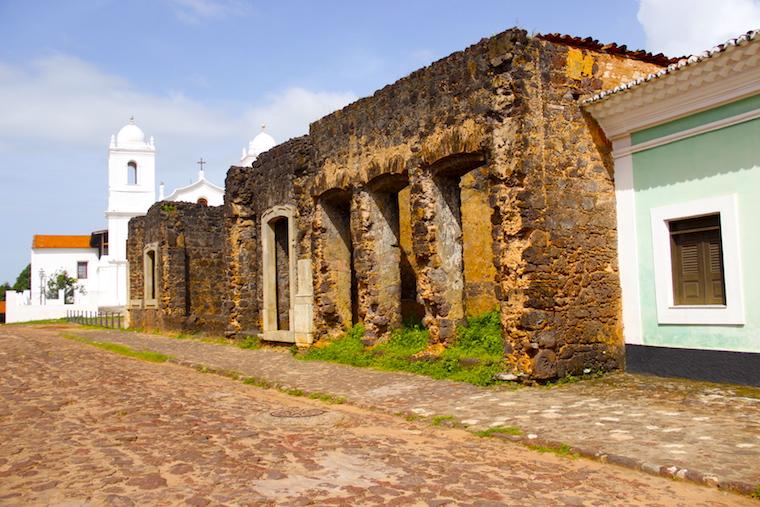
column 732, row 313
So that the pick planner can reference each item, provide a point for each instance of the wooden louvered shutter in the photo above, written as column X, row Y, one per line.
column 715, row 293
column 697, row 261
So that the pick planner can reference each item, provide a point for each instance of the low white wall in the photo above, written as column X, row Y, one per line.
column 18, row 309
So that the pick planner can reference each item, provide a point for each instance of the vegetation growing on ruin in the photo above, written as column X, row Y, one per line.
column 475, row 356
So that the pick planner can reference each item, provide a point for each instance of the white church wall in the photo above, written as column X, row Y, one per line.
column 54, row 259
column 200, row 189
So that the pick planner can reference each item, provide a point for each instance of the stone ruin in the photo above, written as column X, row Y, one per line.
column 473, row 184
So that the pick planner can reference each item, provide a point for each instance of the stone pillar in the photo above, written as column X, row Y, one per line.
column 377, row 259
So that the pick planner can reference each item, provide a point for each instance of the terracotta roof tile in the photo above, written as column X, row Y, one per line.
column 679, row 64
column 611, row 48
column 47, row 241
column 2, row 306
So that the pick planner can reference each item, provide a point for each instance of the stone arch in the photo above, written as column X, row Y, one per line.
column 279, row 278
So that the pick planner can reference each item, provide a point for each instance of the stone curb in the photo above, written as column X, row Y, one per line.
column 668, row 471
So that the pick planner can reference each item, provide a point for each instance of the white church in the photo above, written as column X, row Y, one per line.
column 99, row 260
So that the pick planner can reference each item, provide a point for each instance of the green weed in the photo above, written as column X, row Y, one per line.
column 502, row 430
column 144, row 355
column 327, row 398
column 475, row 356
column 439, row 420
column 563, row 450
column 253, row 381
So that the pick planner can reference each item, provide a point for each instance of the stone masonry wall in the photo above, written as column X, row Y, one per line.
column 190, row 267
column 473, row 184
column 277, row 177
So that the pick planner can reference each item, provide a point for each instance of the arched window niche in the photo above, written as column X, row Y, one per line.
column 202, row 201
column 278, row 237
column 150, row 275
column 132, row 172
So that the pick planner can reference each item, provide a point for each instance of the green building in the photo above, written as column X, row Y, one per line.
column 686, row 145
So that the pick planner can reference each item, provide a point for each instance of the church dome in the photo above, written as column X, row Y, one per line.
column 261, row 143
column 130, row 135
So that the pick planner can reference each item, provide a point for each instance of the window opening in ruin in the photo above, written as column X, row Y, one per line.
column 455, row 246
column 391, row 269
column 412, row 311
column 150, row 275
column 339, row 254
column 477, row 242
column 132, row 172
column 282, row 272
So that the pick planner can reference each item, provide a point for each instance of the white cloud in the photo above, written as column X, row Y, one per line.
column 195, row 11
column 685, row 27
column 68, row 102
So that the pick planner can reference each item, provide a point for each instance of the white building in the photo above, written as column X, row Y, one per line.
column 201, row 191
column 258, row 145
column 99, row 260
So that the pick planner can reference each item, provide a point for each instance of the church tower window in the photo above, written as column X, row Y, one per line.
column 132, row 176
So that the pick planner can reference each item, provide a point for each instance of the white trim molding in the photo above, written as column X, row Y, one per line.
column 628, row 257
column 727, row 77
column 732, row 313
column 270, row 329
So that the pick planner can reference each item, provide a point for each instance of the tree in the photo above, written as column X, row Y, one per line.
column 60, row 280
column 4, row 287
column 24, row 280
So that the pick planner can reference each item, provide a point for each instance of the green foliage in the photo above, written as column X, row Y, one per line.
column 475, row 356
column 502, row 430
column 440, row 420
column 144, row 355
column 253, row 381
column 327, row 398
column 3, row 288
column 562, row 450
column 24, row 279
column 168, row 208
column 249, row 342
column 60, row 280
column 756, row 493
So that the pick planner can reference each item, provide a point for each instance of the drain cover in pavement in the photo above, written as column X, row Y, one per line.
column 298, row 412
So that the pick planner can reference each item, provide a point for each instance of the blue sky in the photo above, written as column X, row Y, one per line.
column 201, row 75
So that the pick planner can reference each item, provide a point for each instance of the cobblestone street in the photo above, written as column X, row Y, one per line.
column 82, row 426
column 704, row 432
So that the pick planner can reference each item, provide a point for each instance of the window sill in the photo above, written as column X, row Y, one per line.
column 703, row 315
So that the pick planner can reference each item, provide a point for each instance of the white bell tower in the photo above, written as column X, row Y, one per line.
column 131, row 191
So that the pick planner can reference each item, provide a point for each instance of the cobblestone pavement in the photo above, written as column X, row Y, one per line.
column 699, row 431
column 80, row 426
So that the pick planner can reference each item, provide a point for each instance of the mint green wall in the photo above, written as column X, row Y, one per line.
column 722, row 162
column 695, row 120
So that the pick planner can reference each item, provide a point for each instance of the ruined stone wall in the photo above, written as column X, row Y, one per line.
column 473, row 184
column 276, row 178
column 554, row 219
column 510, row 201
column 190, row 281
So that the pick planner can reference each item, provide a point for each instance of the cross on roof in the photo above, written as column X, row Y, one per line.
column 201, row 163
